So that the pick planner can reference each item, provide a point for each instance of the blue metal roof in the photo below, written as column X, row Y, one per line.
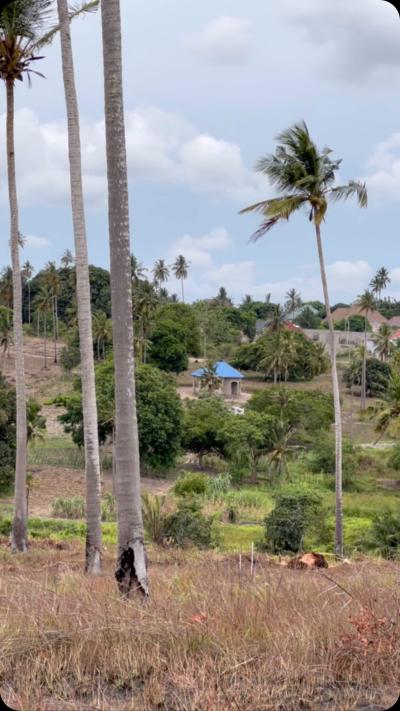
column 222, row 370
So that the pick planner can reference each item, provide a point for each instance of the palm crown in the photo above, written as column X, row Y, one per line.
column 305, row 176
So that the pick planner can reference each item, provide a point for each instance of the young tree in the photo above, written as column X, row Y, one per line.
column 180, row 269
column 366, row 303
column 384, row 346
column 132, row 561
column 305, row 176
column 92, row 457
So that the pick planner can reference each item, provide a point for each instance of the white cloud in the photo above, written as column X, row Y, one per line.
column 357, row 38
column 37, row 242
column 384, row 166
column 198, row 250
column 162, row 147
column 225, row 40
column 349, row 276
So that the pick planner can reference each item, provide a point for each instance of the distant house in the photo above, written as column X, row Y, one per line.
column 230, row 378
column 395, row 337
column 394, row 322
column 374, row 318
column 262, row 326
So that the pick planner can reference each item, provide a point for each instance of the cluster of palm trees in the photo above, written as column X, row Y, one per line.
column 26, row 26
column 180, row 269
column 305, row 177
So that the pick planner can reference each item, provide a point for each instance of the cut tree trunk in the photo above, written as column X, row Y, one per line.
column 91, row 438
column 336, row 402
column 131, row 571
column 19, row 527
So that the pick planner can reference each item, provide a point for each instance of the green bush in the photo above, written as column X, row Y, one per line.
column 191, row 483
column 154, row 517
column 394, row 458
column 188, row 526
column 386, row 533
column 108, row 508
column 321, row 460
column 295, row 513
column 218, row 485
column 72, row 508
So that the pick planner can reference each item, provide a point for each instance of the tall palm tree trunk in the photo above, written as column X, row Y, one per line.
column 336, row 401
column 29, row 302
column 132, row 561
column 183, row 291
column 19, row 528
column 55, row 329
column 45, row 338
column 364, row 371
column 91, row 438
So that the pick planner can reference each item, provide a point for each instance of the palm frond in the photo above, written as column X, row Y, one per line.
column 353, row 188
column 75, row 10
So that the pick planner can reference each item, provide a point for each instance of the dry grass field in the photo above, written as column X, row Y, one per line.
column 211, row 638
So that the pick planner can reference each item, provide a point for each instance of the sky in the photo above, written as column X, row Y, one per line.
column 208, row 86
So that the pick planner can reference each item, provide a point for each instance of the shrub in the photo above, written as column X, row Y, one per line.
column 72, row 508
column 188, row 526
column 108, row 508
column 321, row 459
column 154, row 517
column 386, row 533
column 218, row 485
column 191, row 483
column 295, row 512
column 394, row 458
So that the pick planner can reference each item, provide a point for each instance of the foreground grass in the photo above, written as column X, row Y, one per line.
column 210, row 638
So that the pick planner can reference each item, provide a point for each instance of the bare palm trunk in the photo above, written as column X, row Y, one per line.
column 54, row 329
column 183, row 292
column 19, row 528
column 91, row 438
column 364, row 371
column 132, row 560
column 29, row 302
column 336, row 402
column 45, row 339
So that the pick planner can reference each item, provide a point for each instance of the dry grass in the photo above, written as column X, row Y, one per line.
column 209, row 639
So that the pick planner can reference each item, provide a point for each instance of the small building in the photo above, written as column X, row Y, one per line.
column 230, row 378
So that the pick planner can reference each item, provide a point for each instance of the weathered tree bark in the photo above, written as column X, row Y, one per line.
column 364, row 371
column 132, row 561
column 19, row 528
column 45, row 339
column 91, row 438
column 336, row 401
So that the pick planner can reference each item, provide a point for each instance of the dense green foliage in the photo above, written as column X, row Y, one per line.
column 7, row 434
column 159, row 412
column 306, row 364
column 321, row 459
column 295, row 513
column 354, row 323
column 386, row 533
column 309, row 410
column 190, row 484
column 168, row 347
column 187, row 526
column 184, row 315
column 204, row 426
column 378, row 376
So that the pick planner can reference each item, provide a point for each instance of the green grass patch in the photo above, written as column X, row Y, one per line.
column 59, row 529
column 238, row 538
column 62, row 452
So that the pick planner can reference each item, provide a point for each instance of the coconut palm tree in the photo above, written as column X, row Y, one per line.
column 209, row 379
column 366, row 304
column 383, row 344
column 27, row 273
column 6, row 288
column 160, row 272
column 132, row 563
column 387, row 411
column 138, row 270
column 44, row 306
column 280, row 355
column 21, row 24
column 102, row 333
column 180, row 269
column 305, row 177
column 52, row 280
column 281, row 446
column 6, row 330
column 67, row 259
column 380, row 281
column 293, row 302
column 277, row 319
column 91, row 439
column 145, row 306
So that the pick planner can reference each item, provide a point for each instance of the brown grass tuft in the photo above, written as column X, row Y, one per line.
column 209, row 639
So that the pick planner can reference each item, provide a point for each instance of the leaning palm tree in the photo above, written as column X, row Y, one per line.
column 366, row 304
column 380, row 281
column 21, row 23
column 384, row 346
column 180, row 269
column 132, row 563
column 305, row 177
column 91, row 438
